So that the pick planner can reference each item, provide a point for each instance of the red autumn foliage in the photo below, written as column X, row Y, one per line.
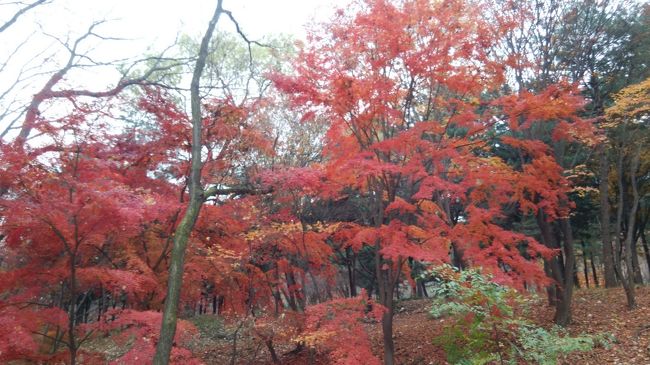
column 336, row 328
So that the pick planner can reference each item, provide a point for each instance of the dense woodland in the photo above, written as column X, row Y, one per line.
column 475, row 154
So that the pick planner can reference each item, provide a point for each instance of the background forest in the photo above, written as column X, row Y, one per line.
column 233, row 200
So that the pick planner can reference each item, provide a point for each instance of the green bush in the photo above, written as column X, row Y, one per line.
column 485, row 323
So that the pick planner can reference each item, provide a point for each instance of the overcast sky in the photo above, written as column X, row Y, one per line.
column 147, row 25
column 160, row 20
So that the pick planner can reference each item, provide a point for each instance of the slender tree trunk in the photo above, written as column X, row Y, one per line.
column 386, row 288
column 593, row 270
column 646, row 250
column 384, row 271
column 550, row 290
column 606, row 238
column 585, row 269
column 630, row 252
column 233, row 356
column 271, row 348
column 387, row 330
column 386, row 293
column 351, row 259
column 457, row 257
column 638, row 278
column 627, row 276
column 100, row 305
column 576, row 279
column 563, row 286
column 563, row 313
column 72, row 344
column 277, row 293
column 294, row 294
column 423, row 285
column 186, row 225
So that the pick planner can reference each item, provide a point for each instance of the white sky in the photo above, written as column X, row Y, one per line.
column 159, row 20
column 148, row 25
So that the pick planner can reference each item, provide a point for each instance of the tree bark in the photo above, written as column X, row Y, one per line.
column 562, row 290
column 627, row 276
column 563, row 309
column 350, row 263
column 72, row 343
column 585, row 268
column 20, row 12
column 271, row 348
column 293, row 293
column 638, row 278
column 550, row 290
column 646, row 250
column 387, row 330
column 185, row 227
column 593, row 270
column 630, row 253
column 606, row 238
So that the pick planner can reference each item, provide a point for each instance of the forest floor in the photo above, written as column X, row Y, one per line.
column 595, row 311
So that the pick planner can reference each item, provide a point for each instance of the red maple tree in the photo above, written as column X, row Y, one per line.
column 409, row 94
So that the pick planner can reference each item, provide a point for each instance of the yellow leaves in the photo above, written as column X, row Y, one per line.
column 252, row 213
column 496, row 162
column 290, row 228
column 314, row 338
column 630, row 105
column 149, row 200
column 430, row 207
column 474, row 101
column 583, row 191
column 274, row 228
column 418, row 233
column 325, row 227
column 254, row 235
column 447, row 273
column 579, row 173
column 218, row 252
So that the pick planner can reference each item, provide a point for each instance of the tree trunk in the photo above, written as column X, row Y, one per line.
column 385, row 288
column 646, row 250
column 185, row 227
column 606, row 238
column 271, row 348
column 387, row 329
column 293, row 294
column 563, row 309
column 350, row 260
column 638, row 279
column 585, row 269
column 423, row 285
column 593, row 270
column 550, row 290
column 576, row 279
column 627, row 276
column 563, row 287
column 457, row 257
column 72, row 344
column 630, row 252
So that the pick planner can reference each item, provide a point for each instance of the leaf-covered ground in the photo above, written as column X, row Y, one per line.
column 604, row 310
column 596, row 311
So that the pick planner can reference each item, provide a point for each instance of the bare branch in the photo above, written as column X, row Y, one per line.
column 245, row 38
column 47, row 91
column 19, row 13
column 241, row 190
column 51, row 338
